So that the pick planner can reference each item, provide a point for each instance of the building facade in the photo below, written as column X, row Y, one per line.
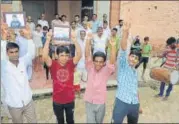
column 156, row 19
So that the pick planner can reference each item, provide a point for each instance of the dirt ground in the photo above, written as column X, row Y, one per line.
column 155, row 110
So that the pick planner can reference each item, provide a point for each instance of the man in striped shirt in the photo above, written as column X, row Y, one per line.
column 170, row 63
column 127, row 101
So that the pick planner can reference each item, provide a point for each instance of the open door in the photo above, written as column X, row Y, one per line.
column 87, row 8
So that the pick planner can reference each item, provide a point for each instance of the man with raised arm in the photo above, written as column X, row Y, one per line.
column 62, row 72
column 14, row 77
column 99, row 72
column 127, row 101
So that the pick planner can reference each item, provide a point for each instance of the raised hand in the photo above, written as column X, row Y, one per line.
column 112, row 42
column 73, row 38
column 49, row 36
column 126, row 26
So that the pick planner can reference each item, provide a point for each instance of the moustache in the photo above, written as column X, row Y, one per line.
column 13, row 58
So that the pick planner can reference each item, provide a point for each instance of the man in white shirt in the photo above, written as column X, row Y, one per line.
column 30, row 23
column 86, row 29
column 42, row 21
column 106, row 29
column 119, row 28
column 99, row 41
column 18, row 95
column 4, row 32
column 80, row 74
column 105, row 18
column 64, row 21
column 82, row 43
column 56, row 21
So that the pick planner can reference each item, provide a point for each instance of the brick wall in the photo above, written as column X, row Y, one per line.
column 15, row 6
column 156, row 19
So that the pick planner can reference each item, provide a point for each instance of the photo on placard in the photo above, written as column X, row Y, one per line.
column 15, row 20
column 61, row 33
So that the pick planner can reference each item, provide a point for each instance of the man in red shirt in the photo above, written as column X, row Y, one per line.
column 170, row 63
column 62, row 72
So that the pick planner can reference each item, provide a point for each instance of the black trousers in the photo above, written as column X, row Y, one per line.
column 69, row 112
column 143, row 60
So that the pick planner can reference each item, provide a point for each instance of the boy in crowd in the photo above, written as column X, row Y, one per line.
column 127, row 101
column 62, row 73
column 146, row 51
column 171, row 62
column 99, row 72
column 37, row 38
column 44, row 33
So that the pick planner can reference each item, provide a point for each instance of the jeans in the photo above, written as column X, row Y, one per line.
column 46, row 71
column 69, row 112
column 162, row 88
column 122, row 109
column 143, row 60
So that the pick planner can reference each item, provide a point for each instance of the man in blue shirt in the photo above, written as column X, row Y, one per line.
column 95, row 23
column 127, row 102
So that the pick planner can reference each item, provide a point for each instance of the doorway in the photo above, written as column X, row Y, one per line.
column 87, row 8
column 36, row 8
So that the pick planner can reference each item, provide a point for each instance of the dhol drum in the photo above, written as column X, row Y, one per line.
column 165, row 75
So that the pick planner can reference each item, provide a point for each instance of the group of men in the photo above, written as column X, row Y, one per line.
column 98, row 52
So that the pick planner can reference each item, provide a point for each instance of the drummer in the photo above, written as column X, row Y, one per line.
column 170, row 63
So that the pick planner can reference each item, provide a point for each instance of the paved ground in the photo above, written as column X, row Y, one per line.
column 39, row 80
column 154, row 110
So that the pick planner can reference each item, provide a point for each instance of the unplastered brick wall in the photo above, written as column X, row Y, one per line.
column 16, row 6
column 156, row 19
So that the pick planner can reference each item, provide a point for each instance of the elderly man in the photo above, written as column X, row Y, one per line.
column 30, row 23
column 42, row 21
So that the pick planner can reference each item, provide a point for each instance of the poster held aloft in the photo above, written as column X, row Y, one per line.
column 62, row 35
column 15, row 20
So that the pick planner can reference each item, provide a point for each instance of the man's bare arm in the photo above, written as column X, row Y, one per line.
column 125, row 36
column 45, row 54
column 88, row 48
column 113, row 52
column 78, row 51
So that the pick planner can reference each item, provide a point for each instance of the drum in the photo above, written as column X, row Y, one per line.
column 164, row 75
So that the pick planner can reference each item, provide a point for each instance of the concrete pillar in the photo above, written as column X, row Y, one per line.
column 114, row 12
column 16, row 6
column 103, row 7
